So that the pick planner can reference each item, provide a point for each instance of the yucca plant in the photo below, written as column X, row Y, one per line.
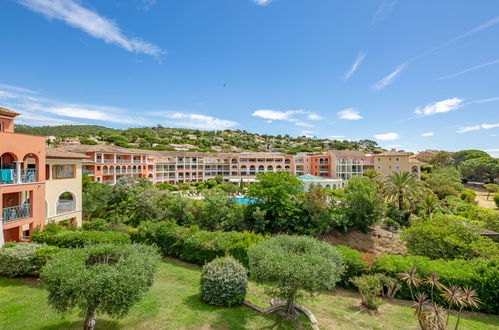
column 435, row 317
column 433, row 282
column 420, row 305
column 454, row 297
column 411, row 278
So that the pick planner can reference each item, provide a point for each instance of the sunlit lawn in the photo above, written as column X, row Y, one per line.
column 174, row 303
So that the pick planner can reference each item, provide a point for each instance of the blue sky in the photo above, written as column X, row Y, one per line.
column 408, row 74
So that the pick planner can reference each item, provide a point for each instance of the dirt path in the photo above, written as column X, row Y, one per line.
column 378, row 240
column 481, row 197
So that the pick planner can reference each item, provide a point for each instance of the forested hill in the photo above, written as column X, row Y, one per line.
column 163, row 138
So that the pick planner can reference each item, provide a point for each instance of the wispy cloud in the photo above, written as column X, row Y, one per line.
column 389, row 79
column 477, row 127
column 193, row 120
column 262, row 2
column 17, row 89
column 493, row 152
column 292, row 116
column 387, row 136
column 77, row 16
column 384, row 10
column 490, row 99
column 427, row 134
column 337, row 137
column 358, row 61
column 469, row 70
column 439, row 107
column 349, row 114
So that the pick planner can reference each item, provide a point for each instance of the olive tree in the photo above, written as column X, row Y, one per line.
column 105, row 278
column 295, row 267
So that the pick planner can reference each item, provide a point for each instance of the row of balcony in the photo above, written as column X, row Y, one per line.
column 12, row 176
column 121, row 172
column 23, row 211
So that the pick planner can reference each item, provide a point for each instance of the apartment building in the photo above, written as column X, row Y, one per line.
column 394, row 161
column 22, row 181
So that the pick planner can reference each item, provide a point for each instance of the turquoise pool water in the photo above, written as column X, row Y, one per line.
column 244, row 200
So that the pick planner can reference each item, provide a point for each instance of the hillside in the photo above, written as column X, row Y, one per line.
column 163, row 138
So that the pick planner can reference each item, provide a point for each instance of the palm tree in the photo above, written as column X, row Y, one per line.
column 435, row 316
column 402, row 187
column 433, row 281
column 420, row 305
column 429, row 202
column 469, row 298
column 411, row 279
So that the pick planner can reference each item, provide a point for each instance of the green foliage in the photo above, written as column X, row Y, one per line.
column 445, row 181
column 474, row 214
column 482, row 169
column 96, row 200
column 370, row 289
column 18, row 259
column 79, row 238
column 294, row 267
column 464, row 155
column 194, row 245
column 363, row 206
column 88, row 142
column 318, row 214
column 496, row 200
column 224, row 282
column 43, row 255
column 107, row 279
column 96, row 224
column 391, row 224
column 442, row 159
column 446, row 237
column 221, row 213
column 468, row 195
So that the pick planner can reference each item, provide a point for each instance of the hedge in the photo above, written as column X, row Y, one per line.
column 79, row 238
column 25, row 259
column 195, row 245
column 479, row 274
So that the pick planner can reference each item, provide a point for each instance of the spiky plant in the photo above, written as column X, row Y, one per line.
column 411, row 278
column 435, row 317
column 420, row 305
column 454, row 297
column 469, row 298
column 433, row 282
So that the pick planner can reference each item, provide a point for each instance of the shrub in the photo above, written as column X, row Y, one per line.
column 43, row 255
column 445, row 236
column 496, row 199
column 80, row 238
column 18, row 259
column 363, row 203
column 370, row 289
column 224, row 282
column 391, row 224
column 468, row 195
column 103, row 278
column 478, row 274
column 97, row 224
column 293, row 267
column 195, row 245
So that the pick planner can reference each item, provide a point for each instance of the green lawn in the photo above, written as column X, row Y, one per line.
column 174, row 303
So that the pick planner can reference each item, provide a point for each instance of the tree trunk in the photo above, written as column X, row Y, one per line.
column 458, row 317
column 89, row 323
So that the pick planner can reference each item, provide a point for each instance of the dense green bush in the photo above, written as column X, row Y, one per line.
column 446, row 237
column 370, row 289
column 96, row 224
column 496, row 199
column 364, row 207
column 479, row 274
column 43, row 255
column 479, row 216
column 224, row 282
column 80, row 238
column 195, row 245
column 17, row 260
column 468, row 195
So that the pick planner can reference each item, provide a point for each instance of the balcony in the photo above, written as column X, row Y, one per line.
column 65, row 207
column 16, row 212
column 88, row 172
column 13, row 176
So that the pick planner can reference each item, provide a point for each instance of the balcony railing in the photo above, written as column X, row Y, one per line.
column 88, row 172
column 10, row 176
column 66, row 207
column 16, row 212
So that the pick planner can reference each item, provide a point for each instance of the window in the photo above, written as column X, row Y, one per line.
column 63, row 171
column 379, row 167
column 397, row 167
column 397, row 159
column 1, row 126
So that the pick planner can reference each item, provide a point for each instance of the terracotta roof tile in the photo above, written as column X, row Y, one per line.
column 59, row 153
column 8, row 113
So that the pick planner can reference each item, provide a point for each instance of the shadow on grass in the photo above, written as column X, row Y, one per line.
column 99, row 324
column 20, row 281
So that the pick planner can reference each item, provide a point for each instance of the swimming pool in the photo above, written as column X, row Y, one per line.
column 244, row 200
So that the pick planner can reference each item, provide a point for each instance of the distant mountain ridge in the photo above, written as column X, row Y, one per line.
column 163, row 138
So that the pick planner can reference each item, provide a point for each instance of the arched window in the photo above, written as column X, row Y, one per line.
column 270, row 168
column 334, row 186
column 66, row 203
column 328, row 186
column 261, row 168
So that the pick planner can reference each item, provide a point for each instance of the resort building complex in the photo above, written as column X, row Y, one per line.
column 37, row 185
column 40, row 185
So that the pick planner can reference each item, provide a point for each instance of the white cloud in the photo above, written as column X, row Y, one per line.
column 307, row 133
column 193, row 120
column 384, row 10
column 493, row 152
column 427, row 134
column 314, row 116
column 468, row 129
column 337, row 137
column 358, row 61
column 489, row 126
column 73, row 14
column 469, row 70
column 439, row 107
column 386, row 136
column 349, row 114
column 389, row 78
column 262, row 2
column 18, row 89
column 490, row 99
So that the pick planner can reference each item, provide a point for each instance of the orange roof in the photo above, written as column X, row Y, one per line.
column 393, row 153
column 58, row 153
column 8, row 113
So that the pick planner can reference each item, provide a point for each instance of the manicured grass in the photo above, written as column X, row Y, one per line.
column 174, row 303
